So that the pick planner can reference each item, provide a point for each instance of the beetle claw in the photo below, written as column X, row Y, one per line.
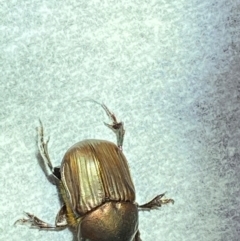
column 116, row 127
column 157, row 202
column 34, row 221
column 45, row 161
column 110, row 114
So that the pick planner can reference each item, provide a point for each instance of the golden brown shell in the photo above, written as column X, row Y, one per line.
column 93, row 172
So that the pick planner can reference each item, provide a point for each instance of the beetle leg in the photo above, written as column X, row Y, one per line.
column 53, row 174
column 158, row 201
column 61, row 218
column 35, row 222
column 116, row 127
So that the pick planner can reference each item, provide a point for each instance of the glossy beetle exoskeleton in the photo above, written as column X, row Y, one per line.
column 97, row 190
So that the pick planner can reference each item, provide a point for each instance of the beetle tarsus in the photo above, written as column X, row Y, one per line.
column 116, row 127
column 43, row 146
column 35, row 222
column 155, row 203
column 43, row 150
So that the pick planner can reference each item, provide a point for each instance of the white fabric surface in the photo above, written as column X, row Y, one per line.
column 169, row 69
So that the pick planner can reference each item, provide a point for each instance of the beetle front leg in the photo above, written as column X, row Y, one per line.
column 116, row 127
column 155, row 203
column 53, row 174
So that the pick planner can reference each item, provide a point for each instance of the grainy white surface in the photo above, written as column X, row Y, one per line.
column 169, row 69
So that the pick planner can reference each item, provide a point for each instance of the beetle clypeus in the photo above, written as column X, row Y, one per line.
column 97, row 190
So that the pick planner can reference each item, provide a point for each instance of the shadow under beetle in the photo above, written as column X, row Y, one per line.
column 96, row 188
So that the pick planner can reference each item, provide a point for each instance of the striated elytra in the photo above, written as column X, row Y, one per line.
column 96, row 188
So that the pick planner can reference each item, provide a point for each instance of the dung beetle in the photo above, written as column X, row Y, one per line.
column 96, row 189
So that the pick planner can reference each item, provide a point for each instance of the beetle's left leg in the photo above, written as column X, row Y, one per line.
column 52, row 173
column 35, row 222
column 116, row 127
column 155, row 203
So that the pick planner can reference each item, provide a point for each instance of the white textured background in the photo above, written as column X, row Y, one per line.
column 169, row 69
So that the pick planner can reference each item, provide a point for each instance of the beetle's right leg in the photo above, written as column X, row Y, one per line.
column 155, row 203
column 116, row 127
column 35, row 222
column 52, row 173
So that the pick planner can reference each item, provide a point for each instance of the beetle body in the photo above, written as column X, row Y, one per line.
column 97, row 190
